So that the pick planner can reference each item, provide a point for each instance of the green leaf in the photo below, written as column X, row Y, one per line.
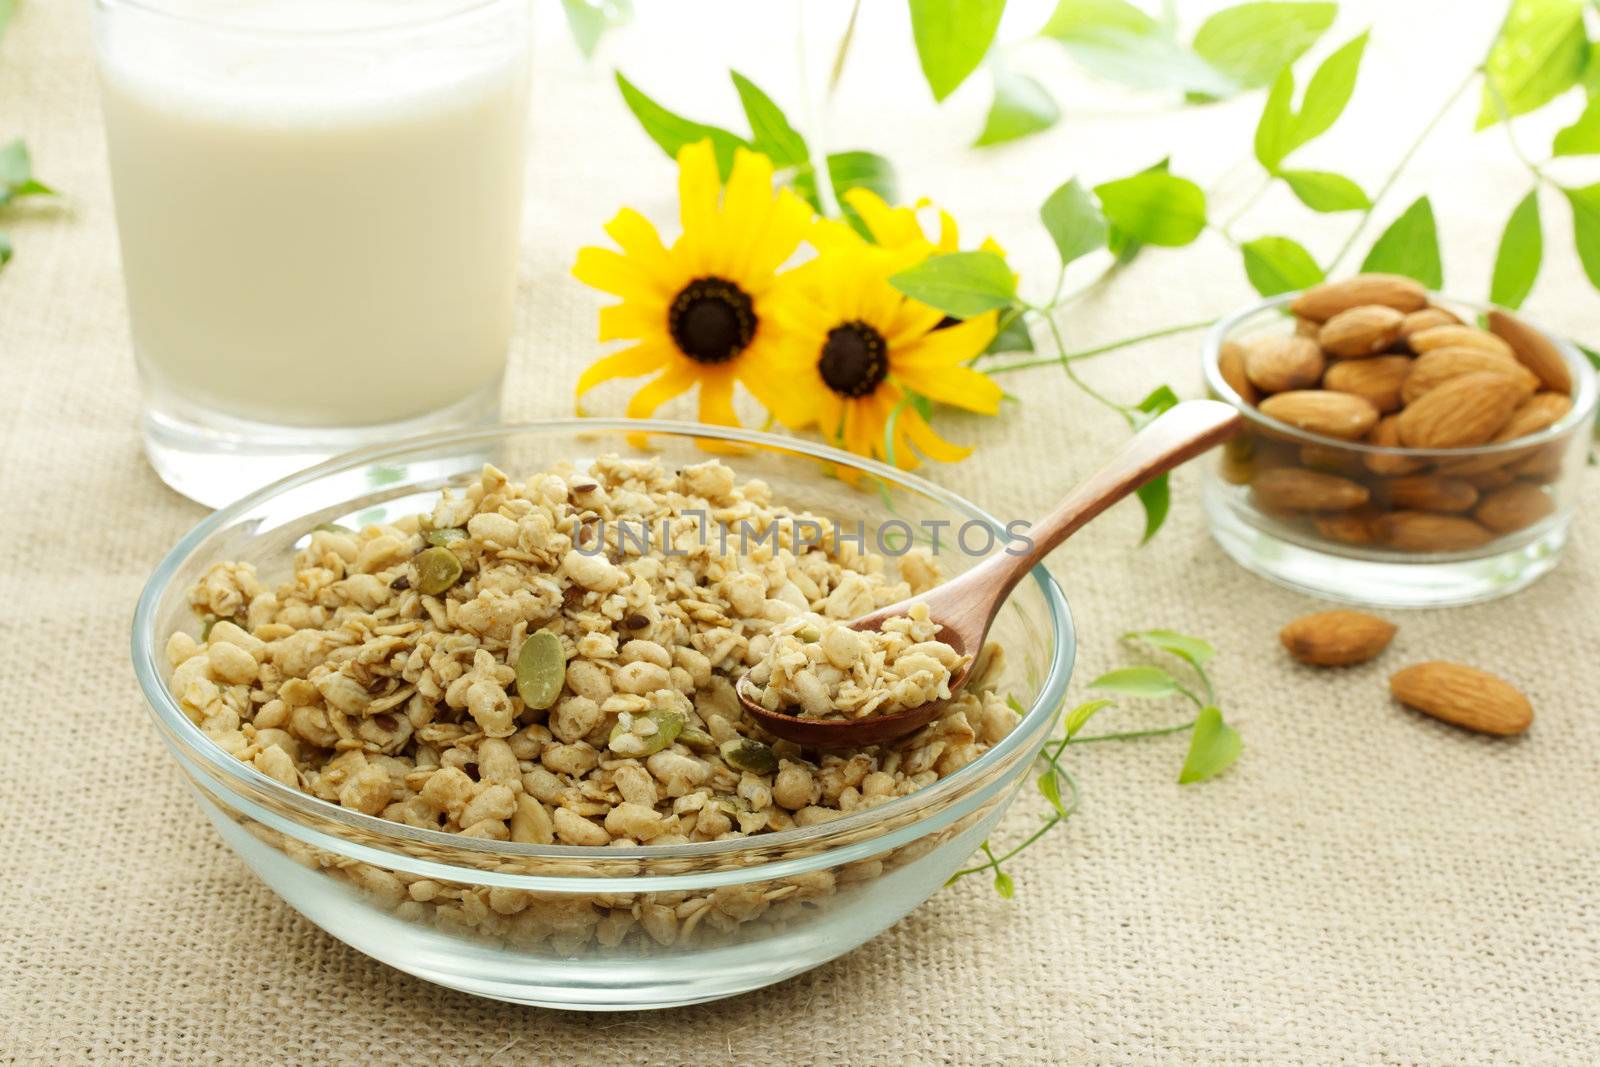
column 962, row 284
column 16, row 174
column 1213, row 747
column 1251, row 42
column 590, row 19
column 1281, row 129
column 770, row 131
column 1194, row 650
column 1003, row 884
column 1074, row 221
column 1322, row 190
column 1076, row 18
column 1539, row 54
column 1586, row 228
column 1150, row 682
column 1279, row 265
column 1329, row 90
column 1155, row 207
column 672, row 131
column 952, row 37
column 6, row 7
column 1155, row 495
column 1117, row 41
column 1275, row 130
column 1410, row 246
column 1022, row 107
column 1160, row 399
column 861, row 170
column 1079, row 716
column 1582, row 138
column 1013, row 336
column 1516, row 264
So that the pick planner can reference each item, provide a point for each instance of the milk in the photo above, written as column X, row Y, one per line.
column 318, row 230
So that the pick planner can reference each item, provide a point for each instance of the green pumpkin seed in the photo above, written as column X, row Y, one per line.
column 808, row 634
column 331, row 527
column 437, row 570
column 541, row 669
column 748, row 754
column 669, row 724
column 697, row 740
column 447, row 536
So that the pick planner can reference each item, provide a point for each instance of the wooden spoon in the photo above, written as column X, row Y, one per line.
column 965, row 608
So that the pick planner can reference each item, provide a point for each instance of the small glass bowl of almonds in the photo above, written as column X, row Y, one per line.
column 1400, row 448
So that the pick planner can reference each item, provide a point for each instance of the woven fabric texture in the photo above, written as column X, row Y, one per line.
column 1365, row 886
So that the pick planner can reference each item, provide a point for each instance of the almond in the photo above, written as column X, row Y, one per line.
column 1230, row 365
column 1427, row 318
column 1307, row 328
column 1378, row 380
column 1336, row 638
column 1539, row 412
column 1322, row 302
column 1544, row 465
column 1463, row 696
column 1533, row 350
column 1515, row 507
column 1333, row 414
column 1433, row 369
column 1429, row 492
column 1464, row 411
column 1458, row 336
column 1330, row 458
column 1485, row 480
column 1296, row 489
column 1275, row 363
column 1387, row 435
column 1361, row 331
column 1353, row 527
column 1426, row 531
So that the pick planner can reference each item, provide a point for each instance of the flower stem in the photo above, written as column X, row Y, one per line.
column 1505, row 122
column 1100, row 350
column 1394, row 175
column 1130, row 734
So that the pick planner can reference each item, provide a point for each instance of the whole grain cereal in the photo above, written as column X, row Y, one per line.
column 362, row 682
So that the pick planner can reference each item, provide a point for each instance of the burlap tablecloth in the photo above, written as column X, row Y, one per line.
column 1366, row 885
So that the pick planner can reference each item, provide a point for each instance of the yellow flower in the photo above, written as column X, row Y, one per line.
column 852, row 345
column 901, row 228
column 699, row 311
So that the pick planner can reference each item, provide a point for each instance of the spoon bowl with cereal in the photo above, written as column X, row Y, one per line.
column 917, row 654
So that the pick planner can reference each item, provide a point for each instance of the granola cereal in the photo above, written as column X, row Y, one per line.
column 821, row 668
column 380, row 678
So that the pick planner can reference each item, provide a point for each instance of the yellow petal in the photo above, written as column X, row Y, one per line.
column 612, row 272
column 677, row 379
column 716, row 399
column 630, row 320
column 698, row 186
column 929, row 443
column 949, row 346
column 961, row 387
column 639, row 241
column 891, row 227
column 775, row 243
column 629, row 363
column 911, row 322
column 949, row 235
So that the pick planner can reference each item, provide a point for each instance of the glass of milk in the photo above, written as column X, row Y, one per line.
column 319, row 205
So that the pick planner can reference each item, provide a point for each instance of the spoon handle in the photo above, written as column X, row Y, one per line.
column 1171, row 439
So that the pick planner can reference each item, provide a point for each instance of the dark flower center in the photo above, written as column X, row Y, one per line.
column 711, row 320
column 855, row 360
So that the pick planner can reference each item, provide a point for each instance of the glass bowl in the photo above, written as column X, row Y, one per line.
column 598, row 928
column 1433, row 528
